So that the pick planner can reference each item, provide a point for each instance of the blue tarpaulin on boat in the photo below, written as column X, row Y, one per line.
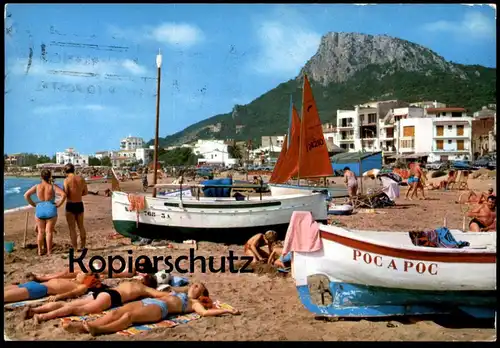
column 217, row 191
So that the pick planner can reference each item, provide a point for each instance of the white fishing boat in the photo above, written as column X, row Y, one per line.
column 333, row 191
column 211, row 218
column 373, row 274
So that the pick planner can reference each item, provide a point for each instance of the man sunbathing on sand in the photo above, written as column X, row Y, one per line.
column 101, row 300
column 254, row 246
column 72, row 275
column 474, row 198
column 151, row 310
column 58, row 289
column 484, row 217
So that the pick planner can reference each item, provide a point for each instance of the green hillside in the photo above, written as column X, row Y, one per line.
column 268, row 114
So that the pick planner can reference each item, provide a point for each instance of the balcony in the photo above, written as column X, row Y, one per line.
column 345, row 125
column 464, row 150
column 346, row 139
column 368, row 123
column 407, row 144
column 390, row 137
column 451, row 136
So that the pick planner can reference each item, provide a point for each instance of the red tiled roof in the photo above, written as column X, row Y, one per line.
column 433, row 110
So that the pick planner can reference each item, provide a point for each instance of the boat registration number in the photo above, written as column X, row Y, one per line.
column 395, row 264
column 151, row 213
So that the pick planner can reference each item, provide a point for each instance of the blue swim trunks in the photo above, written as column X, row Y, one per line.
column 35, row 290
column 413, row 179
column 286, row 258
column 161, row 304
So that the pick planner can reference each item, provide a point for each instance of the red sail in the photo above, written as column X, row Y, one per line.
column 290, row 165
column 313, row 159
column 279, row 163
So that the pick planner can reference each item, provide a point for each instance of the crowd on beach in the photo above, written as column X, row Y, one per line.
column 139, row 299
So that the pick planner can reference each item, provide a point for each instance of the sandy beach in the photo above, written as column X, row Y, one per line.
column 269, row 304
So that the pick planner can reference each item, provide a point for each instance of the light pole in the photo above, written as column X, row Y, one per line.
column 155, row 164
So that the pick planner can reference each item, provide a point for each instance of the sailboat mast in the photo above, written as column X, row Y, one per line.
column 301, row 129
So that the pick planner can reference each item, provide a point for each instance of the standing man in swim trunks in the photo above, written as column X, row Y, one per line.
column 418, row 179
column 484, row 217
column 75, row 188
column 351, row 183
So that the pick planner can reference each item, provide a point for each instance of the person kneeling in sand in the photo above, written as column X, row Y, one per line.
column 101, row 300
column 151, row 310
column 58, row 289
column 254, row 246
column 278, row 260
column 484, row 217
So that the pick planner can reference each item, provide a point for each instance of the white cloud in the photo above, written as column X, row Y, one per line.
column 182, row 34
column 284, row 49
column 133, row 67
column 473, row 25
column 57, row 108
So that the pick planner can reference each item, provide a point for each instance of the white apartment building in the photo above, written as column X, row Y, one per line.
column 131, row 143
column 144, row 156
column 451, row 139
column 428, row 104
column 359, row 129
column 213, row 152
column 101, row 154
column 72, row 156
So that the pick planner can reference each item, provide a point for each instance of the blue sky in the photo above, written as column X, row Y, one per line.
column 91, row 77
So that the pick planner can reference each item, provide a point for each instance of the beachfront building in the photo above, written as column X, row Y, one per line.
column 272, row 141
column 73, row 157
column 413, row 137
column 214, row 152
column 131, row 143
column 428, row 104
column 16, row 159
column 452, row 134
column 360, row 129
column 144, row 156
column 483, row 134
column 101, row 154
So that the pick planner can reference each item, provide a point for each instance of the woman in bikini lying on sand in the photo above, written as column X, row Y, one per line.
column 151, row 310
column 58, row 289
column 101, row 300
column 254, row 246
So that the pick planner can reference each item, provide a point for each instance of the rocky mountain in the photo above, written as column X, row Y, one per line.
column 350, row 69
column 341, row 55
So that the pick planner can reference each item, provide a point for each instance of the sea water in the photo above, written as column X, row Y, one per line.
column 14, row 189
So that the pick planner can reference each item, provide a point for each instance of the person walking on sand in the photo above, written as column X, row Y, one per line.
column 46, row 209
column 151, row 310
column 351, row 182
column 419, row 178
column 75, row 188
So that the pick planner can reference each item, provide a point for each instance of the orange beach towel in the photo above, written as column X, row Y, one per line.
column 137, row 203
column 302, row 234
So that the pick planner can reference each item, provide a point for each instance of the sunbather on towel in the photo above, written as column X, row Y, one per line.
column 151, row 310
column 484, row 217
column 254, row 246
column 58, row 289
column 101, row 300
column 72, row 275
column 474, row 198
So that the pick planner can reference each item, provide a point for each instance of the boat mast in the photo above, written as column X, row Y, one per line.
column 155, row 168
column 301, row 129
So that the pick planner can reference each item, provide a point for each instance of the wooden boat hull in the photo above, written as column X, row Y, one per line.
column 367, row 276
column 336, row 191
column 211, row 219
